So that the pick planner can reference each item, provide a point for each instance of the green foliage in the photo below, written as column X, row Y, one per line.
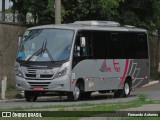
column 155, row 75
column 42, row 10
column 74, row 10
column 108, row 8
column 142, row 97
column 141, row 13
column 50, row 6
column 89, row 9
column 141, row 118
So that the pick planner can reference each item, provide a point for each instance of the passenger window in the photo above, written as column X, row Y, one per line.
column 99, row 44
column 115, row 46
column 135, row 46
column 142, row 48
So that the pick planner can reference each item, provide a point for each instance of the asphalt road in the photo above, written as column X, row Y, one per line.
column 152, row 92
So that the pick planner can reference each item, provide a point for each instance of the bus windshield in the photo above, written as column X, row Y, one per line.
column 46, row 45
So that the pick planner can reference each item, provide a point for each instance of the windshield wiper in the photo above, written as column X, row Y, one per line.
column 41, row 51
column 49, row 54
column 36, row 53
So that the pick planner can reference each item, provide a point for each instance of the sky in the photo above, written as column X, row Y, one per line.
column 7, row 4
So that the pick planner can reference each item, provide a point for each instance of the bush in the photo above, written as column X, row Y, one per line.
column 154, row 74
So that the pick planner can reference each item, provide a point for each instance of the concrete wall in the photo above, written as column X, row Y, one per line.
column 8, row 49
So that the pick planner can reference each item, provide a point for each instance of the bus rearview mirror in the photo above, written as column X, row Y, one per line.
column 83, row 41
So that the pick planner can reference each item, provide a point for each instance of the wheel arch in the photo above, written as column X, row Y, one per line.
column 129, row 80
column 81, row 83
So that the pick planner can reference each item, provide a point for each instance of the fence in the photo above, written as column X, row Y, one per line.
column 18, row 18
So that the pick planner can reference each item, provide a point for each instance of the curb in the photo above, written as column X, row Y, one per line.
column 11, row 100
column 151, row 83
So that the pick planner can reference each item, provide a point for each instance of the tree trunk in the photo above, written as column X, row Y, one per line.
column 3, row 10
column 57, row 11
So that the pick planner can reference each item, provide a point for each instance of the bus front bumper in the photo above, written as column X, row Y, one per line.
column 55, row 85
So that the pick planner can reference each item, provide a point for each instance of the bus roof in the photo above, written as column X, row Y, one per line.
column 93, row 25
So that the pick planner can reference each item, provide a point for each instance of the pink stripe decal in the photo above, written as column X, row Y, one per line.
column 108, row 69
column 125, row 72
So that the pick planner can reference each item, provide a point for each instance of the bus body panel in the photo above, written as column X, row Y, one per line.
column 139, row 70
column 110, row 74
column 56, row 85
column 44, row 78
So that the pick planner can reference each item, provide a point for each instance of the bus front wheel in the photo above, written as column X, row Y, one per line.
column 30, row 97
column 86, row 95
column 75, row 95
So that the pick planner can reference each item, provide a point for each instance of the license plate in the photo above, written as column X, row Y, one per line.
column 38, row 88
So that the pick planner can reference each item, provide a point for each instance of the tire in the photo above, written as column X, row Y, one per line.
column 85, row 95
column 30, row 97
column 117, row 93
column 125, row 92
column 76, row 94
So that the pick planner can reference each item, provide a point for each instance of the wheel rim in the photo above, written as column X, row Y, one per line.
column 126, row 88
column 76, row 92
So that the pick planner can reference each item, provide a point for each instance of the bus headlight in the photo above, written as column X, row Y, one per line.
column 61, row 72
column 18, row 71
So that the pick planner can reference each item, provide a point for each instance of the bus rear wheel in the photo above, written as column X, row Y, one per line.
column 125, row 92
column 30, row 97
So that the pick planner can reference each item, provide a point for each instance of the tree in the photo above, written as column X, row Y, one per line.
column 142, row 13
column 89, row 9
column 42, row 10
column 21, row 7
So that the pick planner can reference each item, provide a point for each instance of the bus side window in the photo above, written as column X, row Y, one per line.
column 77, row 48
column 141, row 51
column 115, row 46
column 81, row 51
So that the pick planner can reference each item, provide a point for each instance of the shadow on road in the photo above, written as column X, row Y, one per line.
column 98, row 97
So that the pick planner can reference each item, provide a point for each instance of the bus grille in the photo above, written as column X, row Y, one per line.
column 42, row 84
column 42, row 76
column 32, row 75
column 31, row 70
